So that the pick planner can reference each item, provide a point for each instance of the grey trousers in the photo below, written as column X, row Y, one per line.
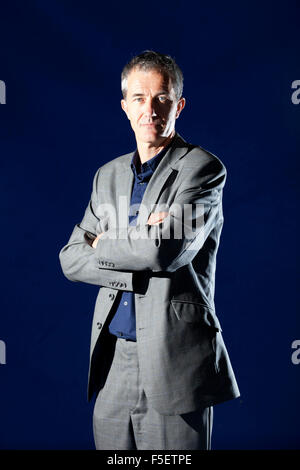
column 123, row 420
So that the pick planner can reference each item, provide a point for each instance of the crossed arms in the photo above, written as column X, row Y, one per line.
column 154, row 219
column 153, row 245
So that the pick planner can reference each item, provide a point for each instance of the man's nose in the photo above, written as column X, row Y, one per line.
column 150, row 107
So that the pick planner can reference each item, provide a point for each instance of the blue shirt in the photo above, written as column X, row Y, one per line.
column 123, row 323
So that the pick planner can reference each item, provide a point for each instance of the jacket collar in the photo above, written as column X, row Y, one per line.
column 176, row 150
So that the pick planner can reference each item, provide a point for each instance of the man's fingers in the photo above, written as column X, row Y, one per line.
column 94, row 244
column 157, row 218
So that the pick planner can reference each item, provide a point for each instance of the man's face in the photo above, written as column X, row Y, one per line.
column 151, row 106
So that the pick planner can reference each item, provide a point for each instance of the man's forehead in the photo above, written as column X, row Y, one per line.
column 140, row 78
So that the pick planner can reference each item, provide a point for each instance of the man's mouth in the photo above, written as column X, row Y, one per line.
column 151, row 124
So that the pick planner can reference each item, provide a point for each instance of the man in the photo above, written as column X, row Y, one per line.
column 149, row 239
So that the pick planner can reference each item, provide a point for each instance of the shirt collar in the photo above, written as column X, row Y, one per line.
column 149, row 165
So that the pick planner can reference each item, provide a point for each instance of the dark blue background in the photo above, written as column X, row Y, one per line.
column 61, row 62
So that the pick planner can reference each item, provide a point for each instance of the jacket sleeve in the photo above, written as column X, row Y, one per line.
column 196, row 211
column 78, row 259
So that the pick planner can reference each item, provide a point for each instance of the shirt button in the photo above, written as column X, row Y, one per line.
column 125, row 303
column 111, row 296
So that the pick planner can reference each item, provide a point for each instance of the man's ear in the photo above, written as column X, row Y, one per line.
column 124, row 107
column 180, row 106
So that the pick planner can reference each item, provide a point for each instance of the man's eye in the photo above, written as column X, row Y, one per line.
column 162, row 99
column 138, row 99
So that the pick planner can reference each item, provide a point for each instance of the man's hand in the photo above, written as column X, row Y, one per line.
column 157, row 218
column 154, row 219
column 94, row 244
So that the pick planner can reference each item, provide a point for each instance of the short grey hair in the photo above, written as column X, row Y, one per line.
column 151, row 60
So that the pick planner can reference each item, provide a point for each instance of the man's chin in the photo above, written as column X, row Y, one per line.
column 152, row 137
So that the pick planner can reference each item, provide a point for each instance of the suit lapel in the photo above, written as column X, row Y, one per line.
column 124, row 187
column 164, row 169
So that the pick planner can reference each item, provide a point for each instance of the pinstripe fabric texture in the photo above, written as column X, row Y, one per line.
column 123, row 419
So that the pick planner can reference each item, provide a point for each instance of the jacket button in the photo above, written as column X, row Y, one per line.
column 111, row 296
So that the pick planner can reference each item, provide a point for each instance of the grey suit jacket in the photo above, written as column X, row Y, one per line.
column 183, row 360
